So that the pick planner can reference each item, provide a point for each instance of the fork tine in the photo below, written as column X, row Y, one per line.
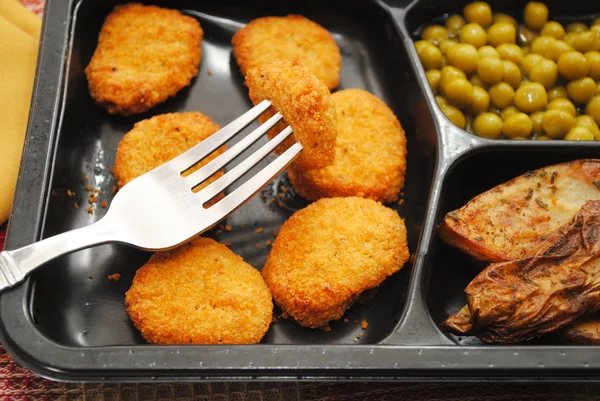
column 245, row 191
column 213, row 142
column 199, row 176
column 215, row 188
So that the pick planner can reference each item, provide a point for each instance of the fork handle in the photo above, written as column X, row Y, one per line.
column 16, row 264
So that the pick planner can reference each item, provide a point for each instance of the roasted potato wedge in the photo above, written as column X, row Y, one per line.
column 508, row 221
column 585, row 331
column 515, row 301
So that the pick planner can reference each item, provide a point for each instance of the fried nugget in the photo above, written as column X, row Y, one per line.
column 157, row 140
column 145, row 54
column 199, row 293
column 293, row 37
column 370, row 153
column 328, row 253
column 305, row 104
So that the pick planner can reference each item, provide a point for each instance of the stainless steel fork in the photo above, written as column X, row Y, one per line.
column 159, row 210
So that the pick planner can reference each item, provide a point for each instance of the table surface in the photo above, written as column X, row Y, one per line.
column 17, row 383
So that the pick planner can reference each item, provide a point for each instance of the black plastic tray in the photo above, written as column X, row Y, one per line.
column 68, row 321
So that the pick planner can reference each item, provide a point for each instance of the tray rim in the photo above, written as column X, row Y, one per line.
column 39, row 354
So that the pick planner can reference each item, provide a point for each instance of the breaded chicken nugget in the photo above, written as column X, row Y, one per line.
column 157, row 140
column 370, row 153
column 305, row 104
column 145, row 54
column 328, row 253
column 288, row 38
column 199, row 293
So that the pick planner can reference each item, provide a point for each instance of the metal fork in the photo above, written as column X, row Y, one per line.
column 159, row 210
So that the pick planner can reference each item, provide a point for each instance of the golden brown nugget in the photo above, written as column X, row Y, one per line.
column 370, row 153
column 145, row 54
column 199, row 293
column 157, row 140
column 293, row 37
column 328, row 253
column 305, row 104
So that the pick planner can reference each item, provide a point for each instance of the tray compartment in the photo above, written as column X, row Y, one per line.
column 73, row 302
column 382, row 60
column 422, row 13
column 448, row 271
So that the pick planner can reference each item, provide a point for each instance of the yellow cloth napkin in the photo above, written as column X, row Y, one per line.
column 18, row 56
column 18, row 14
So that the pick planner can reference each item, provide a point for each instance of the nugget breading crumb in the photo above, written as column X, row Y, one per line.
column 328, row 253
column 114, row 277
column 199, row 293
column 159, row 139
column 293, row 37
column 370, row 153
column 145, row 54
column 305, row 104
column 364, row 324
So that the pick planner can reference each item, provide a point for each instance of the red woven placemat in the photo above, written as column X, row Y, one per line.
column 37, row 6
column 2, row 236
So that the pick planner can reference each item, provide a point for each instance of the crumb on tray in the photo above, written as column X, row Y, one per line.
column 114, row 277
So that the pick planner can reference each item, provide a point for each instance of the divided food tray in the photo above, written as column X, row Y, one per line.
column 68, row 321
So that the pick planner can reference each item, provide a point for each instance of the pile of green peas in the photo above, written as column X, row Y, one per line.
column 499, row 78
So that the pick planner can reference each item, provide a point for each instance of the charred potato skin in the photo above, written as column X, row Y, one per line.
column 472, row 228
column 583, row 332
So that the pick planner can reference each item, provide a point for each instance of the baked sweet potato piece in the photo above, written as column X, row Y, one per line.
column 508, row 221
column 515, row 301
